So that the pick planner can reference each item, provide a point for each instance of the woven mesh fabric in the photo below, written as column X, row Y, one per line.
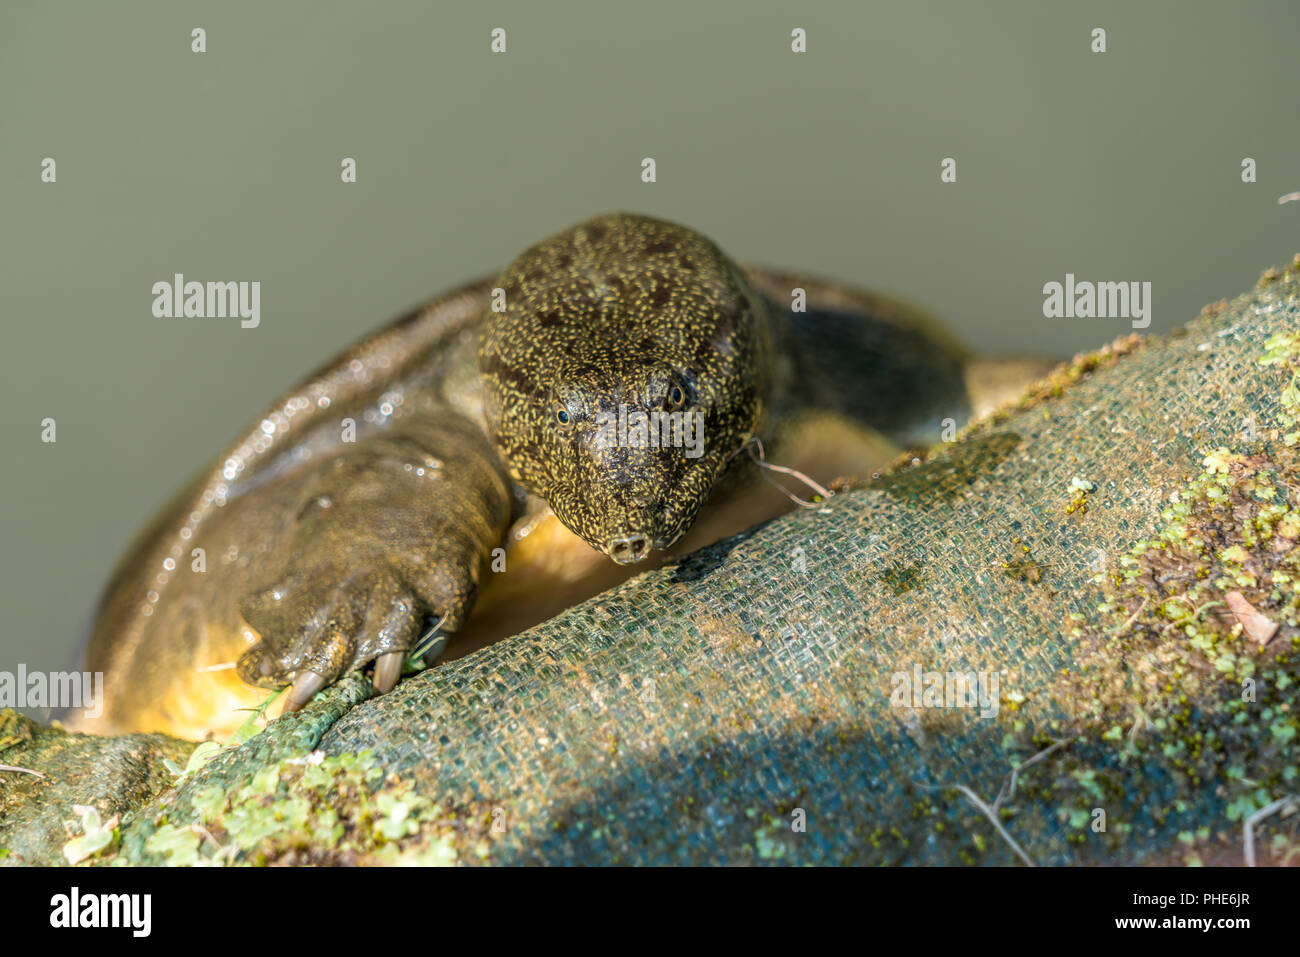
column 692, row 714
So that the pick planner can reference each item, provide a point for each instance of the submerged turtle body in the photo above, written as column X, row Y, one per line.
column 502, row 440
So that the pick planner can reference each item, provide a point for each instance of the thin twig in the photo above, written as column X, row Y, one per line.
column 1139, row 721
column 1196, row 611
column 224, row 666
column 988, row 813
column 760, row 459
column 802, row 503
column 200, row 829
column 1010, row 790
column 10, row 767
column 1267, row 811
column 427, row 641
column 1131, row 618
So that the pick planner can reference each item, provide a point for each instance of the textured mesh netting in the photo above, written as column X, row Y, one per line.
column 748, row 704
column 691, row 714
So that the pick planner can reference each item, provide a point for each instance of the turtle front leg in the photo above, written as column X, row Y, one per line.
column 389, row 531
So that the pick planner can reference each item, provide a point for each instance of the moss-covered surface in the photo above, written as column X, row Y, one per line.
column 1188, row 667
column 63, row 771
column 1116, row 553
column 1198, row 642
column 311, row 809
column 1178, row 697
column 1058, row 381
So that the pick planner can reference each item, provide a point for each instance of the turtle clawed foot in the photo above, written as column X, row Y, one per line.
column 313, row 628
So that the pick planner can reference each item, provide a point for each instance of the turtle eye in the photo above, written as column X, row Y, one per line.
column 676, row 397
column 563, row 416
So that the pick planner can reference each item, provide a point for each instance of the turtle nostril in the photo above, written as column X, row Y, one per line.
column 626, row 549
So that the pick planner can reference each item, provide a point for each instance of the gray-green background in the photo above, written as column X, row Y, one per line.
column 225, row 166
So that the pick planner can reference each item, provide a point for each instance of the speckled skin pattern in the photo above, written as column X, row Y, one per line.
column 311, row 548
column 623, row 313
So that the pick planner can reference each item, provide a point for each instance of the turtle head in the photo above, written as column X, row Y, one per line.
column 629, row 363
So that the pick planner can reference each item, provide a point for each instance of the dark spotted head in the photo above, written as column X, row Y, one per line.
column 629, row 363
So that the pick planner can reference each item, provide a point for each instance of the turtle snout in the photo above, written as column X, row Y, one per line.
column 629, row 548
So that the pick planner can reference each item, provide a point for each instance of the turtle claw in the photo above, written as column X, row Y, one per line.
column 314, row 627
column 388, row 668
column 305, row 685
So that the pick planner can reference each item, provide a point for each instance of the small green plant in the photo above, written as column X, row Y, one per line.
column 207, row 750
column 97, row 835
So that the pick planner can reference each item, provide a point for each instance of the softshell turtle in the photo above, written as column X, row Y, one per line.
column 506, row 450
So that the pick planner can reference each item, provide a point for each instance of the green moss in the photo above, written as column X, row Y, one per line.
column 902, row 578
column 1024, row 570
column 1061, row 379
column 946, row 469
column 1079, row 490
column 97, row 837
column 316, row 809
column 1174, row 684
column 1179, row 700
column 206, row 751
